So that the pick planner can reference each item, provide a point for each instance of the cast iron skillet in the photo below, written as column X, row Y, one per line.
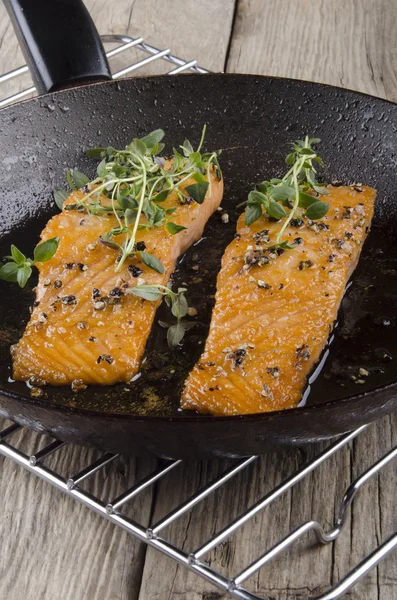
column 253, row 119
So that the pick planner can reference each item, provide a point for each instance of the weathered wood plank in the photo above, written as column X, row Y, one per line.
column 349, row 44
column 54, row 547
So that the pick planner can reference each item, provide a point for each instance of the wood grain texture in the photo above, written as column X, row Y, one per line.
column 350, row 44
column 53, row 548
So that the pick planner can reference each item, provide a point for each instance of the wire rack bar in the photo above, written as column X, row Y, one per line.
column 315, row 525
column 90, row 470
column 199, row 496
column 283, row 487
column 34, row 459
column 146, row 534
column 114, row 505
column 9, row 431
column 126, row 43
column 111, row 510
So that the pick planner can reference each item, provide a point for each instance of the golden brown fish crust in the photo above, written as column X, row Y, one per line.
column 85, row 326
column 273, row 313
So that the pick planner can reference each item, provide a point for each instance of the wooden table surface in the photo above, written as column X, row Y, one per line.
column 53, row 548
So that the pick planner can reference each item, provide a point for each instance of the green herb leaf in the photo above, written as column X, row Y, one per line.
column 285, row 245
column 164, row 324
column 305, row 200
column 256, row 197
column 275, row 210
column 187, row 148
column 148, row 292
column 8, row 272
column 179, row 306
column 161, row 196
column 138, row 147
column 156, row 149
column 174, row 228
column 46, row 250
column 198, row 191
column 76, row 179
column 262, row 187
column 320, row 189
column 17, row 255
column 152, row 262
column 252, row 214
column 60, row 196
column 195, row 159
column 109, row 244
column 80, row 179
column 153, row 138
column 175, row 334
column 129, row 216
column 317, row 210
column 102, row 170
column 136, row 179
column 95, row 152
column 23, row 275
column 293, row 191
column 199, row 177
column 127, row 202
column 307, row 151
column 282, row 192
column 290, row 159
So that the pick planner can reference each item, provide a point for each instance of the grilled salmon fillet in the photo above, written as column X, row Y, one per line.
column 85, row 328
column 274, row 310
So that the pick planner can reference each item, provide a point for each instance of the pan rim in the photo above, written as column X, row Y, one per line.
column 95, row 84
column 193, row 418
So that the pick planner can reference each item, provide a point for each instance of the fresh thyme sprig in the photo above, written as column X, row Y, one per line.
column 134, row 182
column 176, row 301
column 290, row 192
column 18, row 268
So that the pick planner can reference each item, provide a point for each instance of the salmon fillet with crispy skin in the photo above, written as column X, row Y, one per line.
column 85, row 326
column 273, row 313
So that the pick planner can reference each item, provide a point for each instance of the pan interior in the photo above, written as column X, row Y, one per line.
column 253, row 120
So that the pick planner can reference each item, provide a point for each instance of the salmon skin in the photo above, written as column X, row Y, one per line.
column 274, row 310
column 85, row 327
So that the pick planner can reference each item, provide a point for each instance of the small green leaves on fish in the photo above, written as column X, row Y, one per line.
column 297, row 194
column 176, row 301
column 197, row 191
column 45, row 250
column 18, row 269
column 137, row 182
column 173, row 228
column 76, row 179
column 60, row 196
column 275, row 210
column 152, row 262
column 147, row 292
column 317, row 210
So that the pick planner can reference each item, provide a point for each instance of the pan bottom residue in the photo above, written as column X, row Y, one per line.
column 361, row 356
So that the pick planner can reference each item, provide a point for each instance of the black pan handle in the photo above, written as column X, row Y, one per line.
column 60, row 43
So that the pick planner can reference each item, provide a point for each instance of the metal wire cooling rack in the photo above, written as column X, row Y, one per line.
column 112, row 510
